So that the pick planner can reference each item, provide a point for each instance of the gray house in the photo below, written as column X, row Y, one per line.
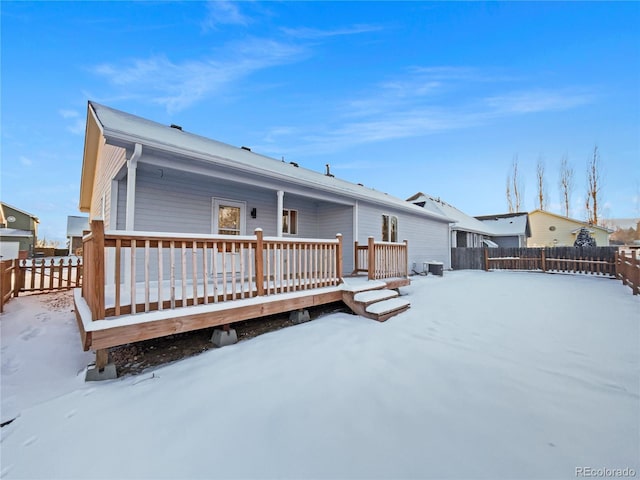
column 142, row 176
column 509, row 229
column 466, row 231
column 76, row 225
column 18, row 232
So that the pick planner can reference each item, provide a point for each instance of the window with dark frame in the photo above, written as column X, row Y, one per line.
column 290, row 221
column 389, row 228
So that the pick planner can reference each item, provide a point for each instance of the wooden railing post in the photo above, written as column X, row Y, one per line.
column 371, row 259
column 259, row 263
column 339, row 257
column 356, row 265
column 486, row 259
column 406, row 258
column 19, row 278
column 543, row 260
column 97, row 230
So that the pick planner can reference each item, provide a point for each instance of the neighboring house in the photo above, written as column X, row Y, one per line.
column 138, row 175
column 509, row 229
column 75, row 226
column 18, row 232
column 466, row 231
column 552, row 230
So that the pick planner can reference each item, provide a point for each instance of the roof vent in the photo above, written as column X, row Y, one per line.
column 329, row 174
column 294, row 164
column 245, row 148
column 177, row 127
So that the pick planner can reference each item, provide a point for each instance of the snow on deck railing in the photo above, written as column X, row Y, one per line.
column 382, row 259
column 179, row 270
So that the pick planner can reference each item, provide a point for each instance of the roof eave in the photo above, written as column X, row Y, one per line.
column 121, row 137
column 93, row 141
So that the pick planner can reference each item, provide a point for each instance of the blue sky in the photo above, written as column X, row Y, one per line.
column 403, row 97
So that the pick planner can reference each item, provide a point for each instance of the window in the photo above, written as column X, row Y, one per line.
column 228, row 217
column 228, row 220
column 389, row 228
column 290, row 221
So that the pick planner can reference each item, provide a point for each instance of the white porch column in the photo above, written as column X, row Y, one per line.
column 132, row 165
column 279, row 215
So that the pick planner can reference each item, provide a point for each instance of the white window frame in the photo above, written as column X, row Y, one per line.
column 390, row 219
column 225, row 202
column 286, row 213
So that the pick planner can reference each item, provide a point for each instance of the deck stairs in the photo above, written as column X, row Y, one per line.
column 374, row 300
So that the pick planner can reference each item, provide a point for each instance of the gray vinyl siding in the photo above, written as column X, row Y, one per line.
column 508, row 242
column 111, row 161
column 333, row 219
column 428, row 239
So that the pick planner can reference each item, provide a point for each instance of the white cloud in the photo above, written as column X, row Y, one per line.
column 223, row 13
column 538, row 101
column 26, row 161
column 429, row 100
column 68, row 113
column 313, row 33
column 78, row 127
column 177, row 85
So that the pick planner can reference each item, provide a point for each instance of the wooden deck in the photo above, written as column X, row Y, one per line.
column 140, row 286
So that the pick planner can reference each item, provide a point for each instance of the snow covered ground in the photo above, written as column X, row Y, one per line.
column 488, row 375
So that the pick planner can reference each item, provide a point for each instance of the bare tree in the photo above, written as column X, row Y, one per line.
column 566, row 183
column 517, row 186
column 593, row 187
column 509, row 196
column 542, row 190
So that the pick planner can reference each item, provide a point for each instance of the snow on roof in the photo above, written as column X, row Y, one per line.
column 507, row 224
column 76, row 225
column 126, row 128
column 462, row 220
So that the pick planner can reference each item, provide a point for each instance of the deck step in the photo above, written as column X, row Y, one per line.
column 373, row 296
column 388, row 306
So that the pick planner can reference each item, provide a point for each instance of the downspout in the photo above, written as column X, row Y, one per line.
column 132, row 165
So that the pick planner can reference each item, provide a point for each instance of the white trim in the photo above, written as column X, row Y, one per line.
column 279, row 215
column 132, row 166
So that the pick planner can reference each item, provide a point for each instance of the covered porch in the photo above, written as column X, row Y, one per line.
column 137, row 286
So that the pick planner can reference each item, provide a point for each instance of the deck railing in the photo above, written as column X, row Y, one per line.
column 628, row 269
column 148, row 272
column 382, row 260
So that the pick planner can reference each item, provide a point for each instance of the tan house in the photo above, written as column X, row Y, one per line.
column 552, row 230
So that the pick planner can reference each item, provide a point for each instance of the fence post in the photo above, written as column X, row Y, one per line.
column 339, row 257
column 259, row 262
column 97, row 229
column 543, row 260
column 635, row 273
column 371, row 259
column 486, row 259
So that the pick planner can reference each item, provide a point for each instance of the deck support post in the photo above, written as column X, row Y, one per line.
column 103, row 370
column 339, row 257
column 98, row 278
column 371, row 259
